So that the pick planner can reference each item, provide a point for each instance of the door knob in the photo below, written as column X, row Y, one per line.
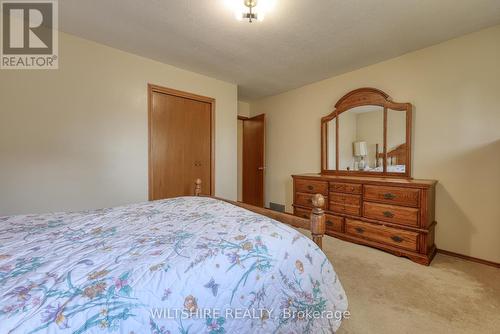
column 261, row 168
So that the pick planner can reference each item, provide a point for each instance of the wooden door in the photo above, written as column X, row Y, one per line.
column 180, row 143
column 197, row 146
column 253, row 160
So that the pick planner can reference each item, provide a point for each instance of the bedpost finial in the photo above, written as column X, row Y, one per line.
column 318, row 219
column 197, row 188
column 318, row 201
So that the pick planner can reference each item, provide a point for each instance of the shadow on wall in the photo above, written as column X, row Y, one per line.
column 474, row 181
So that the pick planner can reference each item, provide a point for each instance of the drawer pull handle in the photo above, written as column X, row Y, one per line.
column 388, row 214
column 329, row 223
column 310, row 187
column 389, row 196
column 397, row 239
column 310, row 201
column 360, row 230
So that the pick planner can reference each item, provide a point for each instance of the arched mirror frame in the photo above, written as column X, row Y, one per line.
column 357, row 98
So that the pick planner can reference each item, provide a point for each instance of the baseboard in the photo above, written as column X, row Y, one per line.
column 469, row 258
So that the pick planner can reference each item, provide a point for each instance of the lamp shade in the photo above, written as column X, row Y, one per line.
column 360, row 149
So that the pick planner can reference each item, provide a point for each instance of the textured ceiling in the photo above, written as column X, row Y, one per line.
column 299, row 42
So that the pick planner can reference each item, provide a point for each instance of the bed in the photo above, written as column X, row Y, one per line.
column 390, row 169
column 182, row 265
column 396, row 159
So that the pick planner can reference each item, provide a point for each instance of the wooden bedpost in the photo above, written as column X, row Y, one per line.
column 197, row 188
column 318, row 219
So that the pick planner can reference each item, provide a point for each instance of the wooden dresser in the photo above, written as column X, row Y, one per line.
column 395, row 215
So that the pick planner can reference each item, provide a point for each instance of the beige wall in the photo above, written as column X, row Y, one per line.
column 243, row 109
column 76, row 138
column 455, row 89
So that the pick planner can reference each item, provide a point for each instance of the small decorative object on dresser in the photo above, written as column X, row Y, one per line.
column 380, row 206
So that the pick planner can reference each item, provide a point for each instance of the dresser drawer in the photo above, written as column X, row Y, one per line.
column 305, row 199
column 302, row 213
column 387, row 235
column 393, row 195
column 312, row 187
column 345, row 209
column 345, row 199
column 350, row 188
column 334, row 223
column 391, row 213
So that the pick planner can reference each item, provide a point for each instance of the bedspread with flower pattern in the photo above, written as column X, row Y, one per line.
column 152, row 267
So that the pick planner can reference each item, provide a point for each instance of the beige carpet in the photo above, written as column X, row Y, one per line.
column 388, row 294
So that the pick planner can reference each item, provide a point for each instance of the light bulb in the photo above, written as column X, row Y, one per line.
column 261, row 8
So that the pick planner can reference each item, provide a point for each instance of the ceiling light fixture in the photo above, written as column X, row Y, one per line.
column 251, row 4
column 251, row 10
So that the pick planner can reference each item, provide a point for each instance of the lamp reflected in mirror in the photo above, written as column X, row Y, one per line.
column 360, row 129
column 360, row 152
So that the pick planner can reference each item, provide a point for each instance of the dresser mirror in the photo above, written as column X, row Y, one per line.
column 367, row 134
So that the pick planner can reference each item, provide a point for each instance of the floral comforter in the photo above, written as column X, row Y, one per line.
column 183, row 265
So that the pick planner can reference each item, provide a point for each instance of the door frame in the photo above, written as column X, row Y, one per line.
column 169, row 91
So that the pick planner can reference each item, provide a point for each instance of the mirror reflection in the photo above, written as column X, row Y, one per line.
column 361, row 138
column 331, row 135
column 396, row 141
column 367, row 134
